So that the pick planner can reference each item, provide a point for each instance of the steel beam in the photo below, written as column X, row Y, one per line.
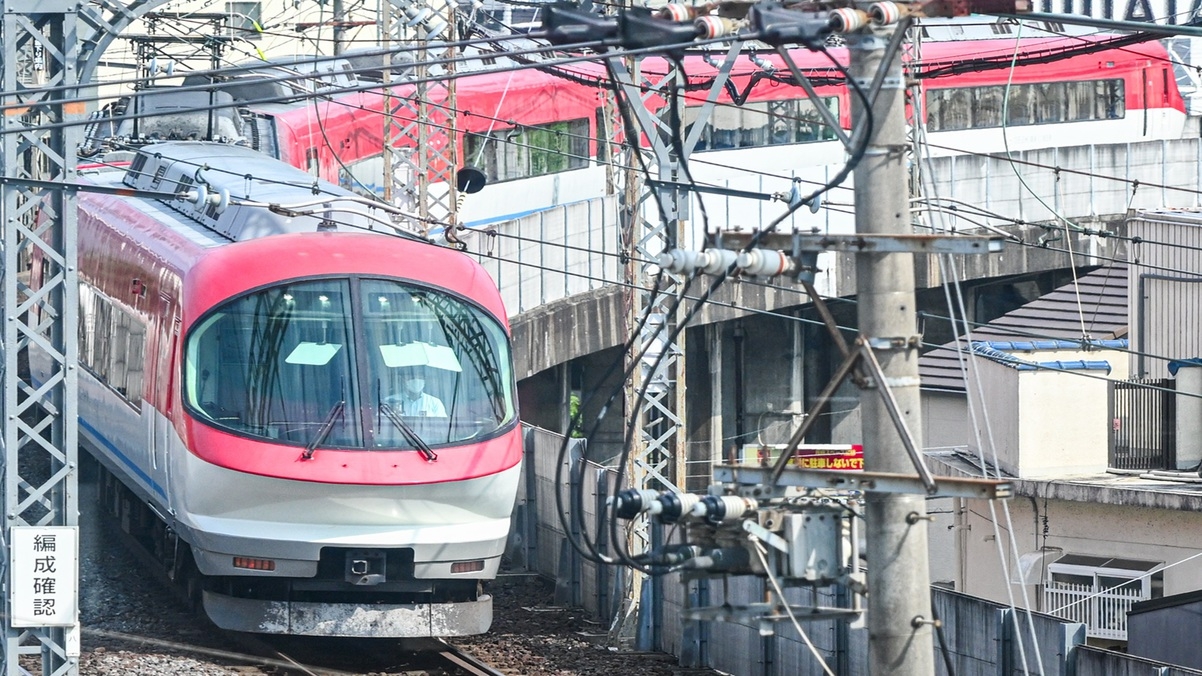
column 757, row 482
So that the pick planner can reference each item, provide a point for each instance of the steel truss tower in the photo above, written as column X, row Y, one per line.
column 38, row 43
column 656, row 221
column 421, row 155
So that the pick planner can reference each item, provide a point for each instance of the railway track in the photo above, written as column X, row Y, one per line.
column 352, row 657
column 434, row 657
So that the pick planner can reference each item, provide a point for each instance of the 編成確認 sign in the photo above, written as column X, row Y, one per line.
column 44, row 574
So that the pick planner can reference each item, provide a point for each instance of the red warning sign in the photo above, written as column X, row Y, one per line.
column 840, row 457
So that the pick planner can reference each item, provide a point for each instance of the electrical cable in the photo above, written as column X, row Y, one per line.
column 952, row 283
column 857, row 154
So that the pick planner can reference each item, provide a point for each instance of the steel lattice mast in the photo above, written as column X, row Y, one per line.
column 40, row 435
column 421, row 155
column 656, row 221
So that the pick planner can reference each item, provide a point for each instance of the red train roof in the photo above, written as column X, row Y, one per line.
column 229, row 270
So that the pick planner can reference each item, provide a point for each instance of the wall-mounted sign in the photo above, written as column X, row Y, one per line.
column 843, row 457
column 44, row 574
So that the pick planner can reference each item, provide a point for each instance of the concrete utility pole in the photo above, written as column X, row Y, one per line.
column 339, row 11
column 899, row 603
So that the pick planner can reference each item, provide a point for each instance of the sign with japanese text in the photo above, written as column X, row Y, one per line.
column 843, row 457
column 44, row 574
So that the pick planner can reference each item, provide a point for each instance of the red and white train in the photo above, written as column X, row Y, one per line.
column 307, row 418
column 536, row 133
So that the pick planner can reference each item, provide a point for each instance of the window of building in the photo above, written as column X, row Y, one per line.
column 112, row 344
column 1098, row 591
column 764, row 123
column 533, row 150
column 1039, row 103
column 245, row 19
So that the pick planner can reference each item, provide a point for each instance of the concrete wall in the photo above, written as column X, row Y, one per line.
column 1046, row 423
column 945, row 422
column 1090, row 528
column 1162, row 287
column 1147, row 630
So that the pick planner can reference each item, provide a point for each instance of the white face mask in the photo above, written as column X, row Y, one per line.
column 415, row 385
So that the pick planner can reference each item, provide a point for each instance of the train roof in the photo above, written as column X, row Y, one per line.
column 246, row 195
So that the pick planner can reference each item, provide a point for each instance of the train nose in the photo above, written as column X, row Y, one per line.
column 365, row 567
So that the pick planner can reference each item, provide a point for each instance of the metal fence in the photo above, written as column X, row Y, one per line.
column 1142, row 424
column 1104, row 612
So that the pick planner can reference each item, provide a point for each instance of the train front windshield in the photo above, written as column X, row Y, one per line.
column 351, row 363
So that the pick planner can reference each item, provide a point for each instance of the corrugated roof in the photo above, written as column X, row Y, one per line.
column 1052, row 316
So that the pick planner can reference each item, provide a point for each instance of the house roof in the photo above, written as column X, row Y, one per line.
column 1159, row 489
column 1044, row 323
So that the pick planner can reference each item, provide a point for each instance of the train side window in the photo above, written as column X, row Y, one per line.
column 312, row 163
column 1115, row 98
column 956, row 111
column 533, row 150
column 1021, row 106
column 987, row 108
column 1049, row 97
column 1026, row 104
column 935, row 100
column 112, row 344
column 761, row 124
column 755, row 125
column 364, row 176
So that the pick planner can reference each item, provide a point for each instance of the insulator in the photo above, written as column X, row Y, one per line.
column 764, row 263
column 718, row 261
column 725, row 508
column 632, row 502
column 885, row 13
column 709, row 27
column 677, row 12
column 685, row 261
column 221, row 200
column 848, row 20
column 416, row 15
column 676, row 505
column 680, row 261
column 201, row 197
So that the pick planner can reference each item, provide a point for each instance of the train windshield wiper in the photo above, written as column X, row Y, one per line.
column 406, row 430
column 326, row 426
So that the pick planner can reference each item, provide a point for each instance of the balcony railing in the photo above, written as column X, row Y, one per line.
column 1142, row 424
column 1104, row 612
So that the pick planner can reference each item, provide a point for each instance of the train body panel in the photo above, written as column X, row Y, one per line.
column 291, row 521
column 512, row 124
column 540, row 134
column 243, row 384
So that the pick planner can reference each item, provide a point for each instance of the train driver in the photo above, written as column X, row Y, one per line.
column 413, row 400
